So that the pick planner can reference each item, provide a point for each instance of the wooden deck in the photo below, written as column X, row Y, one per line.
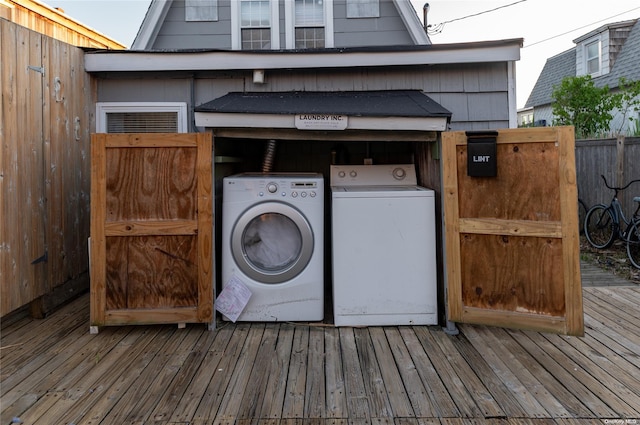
column 55, row 372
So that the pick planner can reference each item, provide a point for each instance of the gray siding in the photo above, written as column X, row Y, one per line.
column 387, row 30
column 477, row 95
column 176, row 33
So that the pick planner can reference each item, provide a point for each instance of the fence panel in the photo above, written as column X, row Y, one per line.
column 596, row 157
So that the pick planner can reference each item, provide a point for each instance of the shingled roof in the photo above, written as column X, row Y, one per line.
column 555, row 69
column 564, row 65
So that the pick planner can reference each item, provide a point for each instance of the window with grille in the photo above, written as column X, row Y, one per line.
column 593, row 57
column 309, row 24
column 255, row 23
column 125, row 117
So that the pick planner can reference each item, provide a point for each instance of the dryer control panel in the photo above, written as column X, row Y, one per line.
column 373, row 175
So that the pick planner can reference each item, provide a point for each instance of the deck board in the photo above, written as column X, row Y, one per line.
column 54, row 371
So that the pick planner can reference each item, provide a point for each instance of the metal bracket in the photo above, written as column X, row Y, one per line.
column 39, row 69
column 42, row 259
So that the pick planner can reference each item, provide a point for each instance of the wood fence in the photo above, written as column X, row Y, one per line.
column 618, row 163
column 45, row 128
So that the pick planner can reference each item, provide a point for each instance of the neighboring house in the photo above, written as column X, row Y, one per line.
column 525, row 117
column 54, row 23
column 607, row 54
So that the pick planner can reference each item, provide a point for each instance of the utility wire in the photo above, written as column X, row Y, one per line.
column 437, row 29
column 579, row 28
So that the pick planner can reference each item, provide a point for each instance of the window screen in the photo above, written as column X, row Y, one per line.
column 363, row 8
column 142, row 122
column 593, row 58
column 255, row 21
column 201, row 10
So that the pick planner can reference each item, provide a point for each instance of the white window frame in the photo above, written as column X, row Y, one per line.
column 586, row 57
column 236, row 25
column 290, row 18
column 104, row 108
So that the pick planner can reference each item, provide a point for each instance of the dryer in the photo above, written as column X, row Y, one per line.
column 384, row 247
column 272, row 241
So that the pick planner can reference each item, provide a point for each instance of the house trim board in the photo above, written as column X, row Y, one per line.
column 497, row 51
column 245, row 120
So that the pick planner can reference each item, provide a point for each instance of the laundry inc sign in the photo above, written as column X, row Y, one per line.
column 321, row 122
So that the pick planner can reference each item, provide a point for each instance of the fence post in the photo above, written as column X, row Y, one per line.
column 620, row 160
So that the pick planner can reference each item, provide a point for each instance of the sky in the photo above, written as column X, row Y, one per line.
column 548, row 27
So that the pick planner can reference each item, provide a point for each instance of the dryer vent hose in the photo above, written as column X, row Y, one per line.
column 269, row 155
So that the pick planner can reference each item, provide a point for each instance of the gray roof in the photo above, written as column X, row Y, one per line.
column 555, row 69
column 626, row 65
column 401, row 103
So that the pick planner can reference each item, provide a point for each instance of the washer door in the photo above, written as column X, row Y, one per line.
column 272, row 242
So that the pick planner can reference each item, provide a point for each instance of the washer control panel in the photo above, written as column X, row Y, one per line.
column 285, row 189
column 373, row 175
column 250, row 186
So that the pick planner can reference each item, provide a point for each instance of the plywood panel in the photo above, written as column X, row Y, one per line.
column 506, row 284
column 512, row 247
column 520, row 191
column 152, row 227
column 151, row 184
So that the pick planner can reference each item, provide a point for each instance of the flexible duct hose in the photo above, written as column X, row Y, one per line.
column 269, row 155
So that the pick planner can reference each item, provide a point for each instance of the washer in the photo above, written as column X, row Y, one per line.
column 383, row 248
column 272, row 241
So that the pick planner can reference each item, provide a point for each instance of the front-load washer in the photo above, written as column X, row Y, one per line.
column 384, row 247
column 272, row 241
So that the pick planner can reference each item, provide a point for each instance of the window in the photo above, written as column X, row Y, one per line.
column 201, row 10
column 363, row 8
column 592, row 57
column 255, row 21
column 309, row 24
column 141, row 117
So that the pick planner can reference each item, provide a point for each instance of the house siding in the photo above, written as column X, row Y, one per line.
column 477, row 95
column 176, row 33
column 386, row 30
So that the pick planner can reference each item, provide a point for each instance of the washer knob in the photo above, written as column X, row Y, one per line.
column 353, row 174
column 272, row 187
column 341, row 174
column 399, row 173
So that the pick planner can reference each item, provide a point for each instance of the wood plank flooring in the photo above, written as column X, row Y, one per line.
column 54, row 372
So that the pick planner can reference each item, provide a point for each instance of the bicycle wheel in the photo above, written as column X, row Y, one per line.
column 633, row 245
column 599, row 226
column 582, row 212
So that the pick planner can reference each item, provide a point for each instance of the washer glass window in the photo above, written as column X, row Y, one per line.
column 272, row 242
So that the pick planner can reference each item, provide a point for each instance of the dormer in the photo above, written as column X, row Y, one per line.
column 597, row 51
column 278, row 24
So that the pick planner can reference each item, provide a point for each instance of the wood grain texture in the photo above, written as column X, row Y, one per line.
column 153, row 227
column 511, row 241
column 151, row 184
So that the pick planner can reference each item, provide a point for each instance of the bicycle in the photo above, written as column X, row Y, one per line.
column 602, row 224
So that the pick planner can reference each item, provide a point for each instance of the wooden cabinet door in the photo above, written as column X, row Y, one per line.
column 512, row 243
column 151, row 229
